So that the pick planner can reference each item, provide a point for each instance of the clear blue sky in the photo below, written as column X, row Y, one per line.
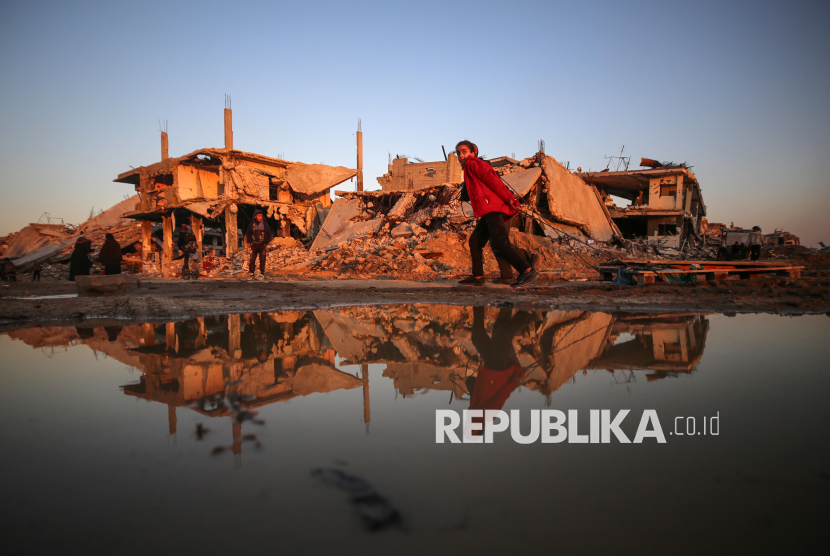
column 739, row 90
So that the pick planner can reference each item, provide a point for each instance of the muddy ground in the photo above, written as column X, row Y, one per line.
column 21, row 304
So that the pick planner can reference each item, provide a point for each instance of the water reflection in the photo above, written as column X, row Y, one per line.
column 226, row 366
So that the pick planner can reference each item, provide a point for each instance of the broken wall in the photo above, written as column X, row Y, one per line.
column 574, row 202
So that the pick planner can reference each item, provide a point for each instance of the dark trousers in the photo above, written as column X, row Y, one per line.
column 497, row 352
column 492, row 227
column 257, row 250
column 111, row 269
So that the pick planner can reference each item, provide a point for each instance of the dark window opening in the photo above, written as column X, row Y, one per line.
column 163, row 179
column 632, row 227
column 668, row 190
column 666, row 229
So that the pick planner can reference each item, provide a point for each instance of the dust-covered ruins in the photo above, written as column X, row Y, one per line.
column 619, row 226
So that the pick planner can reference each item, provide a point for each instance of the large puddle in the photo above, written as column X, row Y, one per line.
column 300, row 432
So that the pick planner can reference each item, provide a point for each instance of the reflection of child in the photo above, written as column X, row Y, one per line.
column 500, row 371
column 36, row 272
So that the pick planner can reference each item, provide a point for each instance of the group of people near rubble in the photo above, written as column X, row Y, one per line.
column 80, row 263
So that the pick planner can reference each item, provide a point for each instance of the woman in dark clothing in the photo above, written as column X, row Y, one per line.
column 110, row 256
column 79, row 263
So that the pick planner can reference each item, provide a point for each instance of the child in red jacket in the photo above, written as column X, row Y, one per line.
column 494, row 206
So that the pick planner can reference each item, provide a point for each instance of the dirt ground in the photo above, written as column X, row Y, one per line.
column 22, row 304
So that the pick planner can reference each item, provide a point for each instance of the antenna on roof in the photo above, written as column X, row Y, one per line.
column 621, row 160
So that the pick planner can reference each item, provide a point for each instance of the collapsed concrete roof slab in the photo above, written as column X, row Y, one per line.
column 310, row 179
column 112, row 216
column 339, row 226
column 574, row 202
column 316, row 378
column 43, row 253
column 34, row 237
column 521, row 182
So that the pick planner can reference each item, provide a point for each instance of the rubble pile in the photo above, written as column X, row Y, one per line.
column 5, row 241
column 425, row 256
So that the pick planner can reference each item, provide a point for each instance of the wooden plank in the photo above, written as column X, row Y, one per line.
column 642, row 277
column 779, row 262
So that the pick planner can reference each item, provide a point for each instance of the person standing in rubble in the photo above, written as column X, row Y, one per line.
column 110, row 256
column 258, row 235
column 8, row 270
column 79, row 262
column 188, row 245
column 494, row 206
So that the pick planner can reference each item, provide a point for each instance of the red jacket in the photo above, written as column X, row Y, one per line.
column 494, row 387
column 486, row 190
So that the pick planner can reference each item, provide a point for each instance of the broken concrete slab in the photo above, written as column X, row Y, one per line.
column 339, row 226
column 521, row 182
column 311, row 179
column 118, row 283
column 573, row 202
column 404, row 229
column 112, row 216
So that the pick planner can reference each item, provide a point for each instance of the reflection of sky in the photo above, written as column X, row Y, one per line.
column 736, row 89
column 83, row 457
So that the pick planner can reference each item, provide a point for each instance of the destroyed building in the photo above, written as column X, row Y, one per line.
column 220, row 188
column 559, row 205
column 406, row 176
column 780, row 237
column 666, row 203
column 50, row 243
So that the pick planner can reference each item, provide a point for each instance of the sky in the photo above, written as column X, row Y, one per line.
column 738, row 90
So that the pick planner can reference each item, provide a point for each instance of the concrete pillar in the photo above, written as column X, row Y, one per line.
column 145, row 186
column 172, row 421
column 234, row 336
column 198, row 227
column 201, row 339
column 228, row 129
column 149, row 334
column 367, row 410
column 236, row 430
column 164, row 146
column 168, row 222
column 360, row 160
column 170, row 335
column 231, row 238
column 146, row 239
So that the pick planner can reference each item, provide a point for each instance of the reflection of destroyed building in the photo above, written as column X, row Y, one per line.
column 429, row 347
column 664, row 344
column 221, row 189
column 208, row 363
column 666, row 203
